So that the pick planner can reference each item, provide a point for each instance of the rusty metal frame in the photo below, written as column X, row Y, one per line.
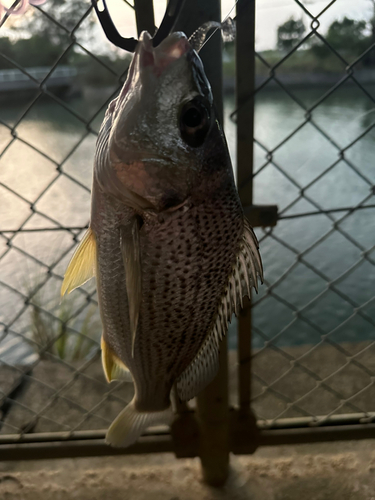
column 92, row 443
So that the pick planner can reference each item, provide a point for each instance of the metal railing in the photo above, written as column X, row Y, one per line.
column 13, row 75
column 15, row 80
column 53, row 390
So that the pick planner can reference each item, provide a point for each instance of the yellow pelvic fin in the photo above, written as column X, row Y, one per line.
column 114, row 368
column 81, row 267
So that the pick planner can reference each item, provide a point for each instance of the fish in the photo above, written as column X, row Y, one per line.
column 168, row 242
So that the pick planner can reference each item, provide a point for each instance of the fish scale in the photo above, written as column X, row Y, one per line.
column 179, row 334
column 172, row 252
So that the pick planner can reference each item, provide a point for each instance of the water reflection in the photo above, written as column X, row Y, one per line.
column 295, row 164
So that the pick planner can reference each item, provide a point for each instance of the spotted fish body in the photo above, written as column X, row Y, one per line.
column 170, row 247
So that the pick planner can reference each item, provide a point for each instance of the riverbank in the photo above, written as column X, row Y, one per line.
column 297, row 79
column 294, row 79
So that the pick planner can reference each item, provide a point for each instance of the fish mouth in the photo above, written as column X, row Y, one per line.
column 157, row 58
column 168, row 51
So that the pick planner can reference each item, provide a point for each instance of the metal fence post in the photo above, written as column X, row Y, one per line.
column 244, row 427
column 213, row 414
column 144, row 14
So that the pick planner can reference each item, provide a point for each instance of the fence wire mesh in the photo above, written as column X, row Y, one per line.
column 313, row 354
column 51, row 376
column 307, row 360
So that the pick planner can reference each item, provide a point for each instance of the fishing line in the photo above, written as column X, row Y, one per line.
column 363, row 115
column 279, row 217
column 329, row 211
column 215, row 30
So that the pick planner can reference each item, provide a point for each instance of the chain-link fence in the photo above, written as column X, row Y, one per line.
column 313, row 331
column 313, row 322
column 51, row 376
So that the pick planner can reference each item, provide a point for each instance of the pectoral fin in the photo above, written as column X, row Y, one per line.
column 81, row 267
column 131, row 254
column 114, row 368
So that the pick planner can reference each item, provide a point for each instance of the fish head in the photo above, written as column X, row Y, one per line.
column 163, row 125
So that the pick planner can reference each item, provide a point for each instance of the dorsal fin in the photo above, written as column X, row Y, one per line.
column 245, row 272
column 82, row 265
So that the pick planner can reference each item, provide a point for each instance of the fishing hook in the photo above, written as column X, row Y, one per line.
column 129, row 44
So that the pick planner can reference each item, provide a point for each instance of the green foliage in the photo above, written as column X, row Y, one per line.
column 38, row 41
column 302, row 61
column 53, row 335
column 28, row 52
column 66, row 13
column 349, row 37
column 289, row 34
column 36, row 51
column 346, row 33
column 55, row 327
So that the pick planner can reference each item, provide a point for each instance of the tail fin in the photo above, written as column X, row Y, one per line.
column 130, row 424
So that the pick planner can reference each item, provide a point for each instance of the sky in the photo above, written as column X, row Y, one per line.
column 270, row 14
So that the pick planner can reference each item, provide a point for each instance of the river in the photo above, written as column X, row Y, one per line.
column 344, row 116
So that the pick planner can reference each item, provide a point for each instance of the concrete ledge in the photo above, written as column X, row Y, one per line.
column 344, row 471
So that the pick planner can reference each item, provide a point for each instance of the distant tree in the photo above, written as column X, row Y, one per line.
column 289, row 34
column 40, row 40
column 62, row 17
column 37, row 39
column 33, row 51
column 348, row 36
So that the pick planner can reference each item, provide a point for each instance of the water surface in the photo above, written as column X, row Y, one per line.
column 287, row 175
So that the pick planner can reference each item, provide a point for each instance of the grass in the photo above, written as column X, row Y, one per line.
column 48, row 322
column 69, row 346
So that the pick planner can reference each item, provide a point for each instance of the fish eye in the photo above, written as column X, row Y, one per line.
column 195, row 122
